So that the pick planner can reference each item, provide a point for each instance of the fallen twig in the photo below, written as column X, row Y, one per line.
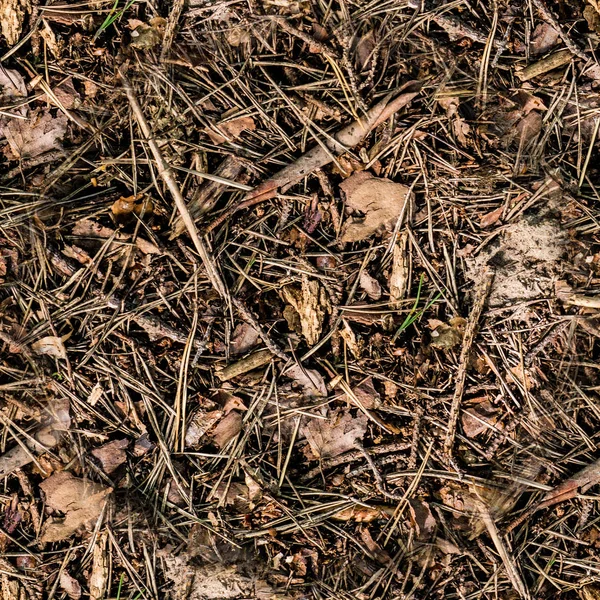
column 470, row 331
column 323, row 154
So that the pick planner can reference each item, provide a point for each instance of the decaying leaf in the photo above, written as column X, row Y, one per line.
column 12, row 17
column 235, row 494
column 335, row 434
column 39, row 133
column 81, row 502
column 422, row 518
column 146, row 36
column 12, row 85
column 366, row 394
column 230, row 130
column 478, row 415
column 592, row 15
column 70, row 585
column 448, row 336
column 311, row 303
column 370, row 285
column 349, row 337
column 310, row 381
column 111, row 455
column 126, row 207
column 244, row 338
column 227, row 429
column 544, row 38
column 491, row 218
column 360, row 514
column 51, row 346
column 200, row 424
column 376, row 205
column 460, row 127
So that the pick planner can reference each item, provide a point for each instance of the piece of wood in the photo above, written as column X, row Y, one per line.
column 248, row 363
column 549, row 63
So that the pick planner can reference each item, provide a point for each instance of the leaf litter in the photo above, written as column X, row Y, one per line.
column 245, row 348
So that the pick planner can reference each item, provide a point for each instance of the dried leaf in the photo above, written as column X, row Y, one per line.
column 230, row 130
column 311, row 304
column 446, row 337
column 460, row 127
column 334, row 435
column 244, row 338
column 80, row 501
column 200, row 424
column 235, row 494
column 422, row 518
column 147, row 36
column 126, row 207
column 491, row 218
column 364, row 51
column 54, row 44
column 311, row 381
column 227, row 429
column 70, row 585
column 377, row 204
column 475, row 417
column 12, row 85
column 366, row 394
column 39, row 133
column 12, row 17
column 349, row 337
column 51, row 346
column 399, row 274
column 591, row 15
column 360, row 514
column 370, row 285
column 529, row 102
column 544, row 38
column 111, row 455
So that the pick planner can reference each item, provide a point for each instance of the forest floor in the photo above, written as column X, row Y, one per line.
column 299, row 300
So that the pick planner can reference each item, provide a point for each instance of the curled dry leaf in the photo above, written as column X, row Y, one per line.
column 311, row 381
column 491, row 218
column 51, row 346
column 349, row 337
column 111, row 455
column 544, row 38
column 237, row 495
column 12, row 17
column 477, row 416
column 70, row 585
column 227, row 429
column 230, row 130
column 311, row 304
column 376, row 203
column 370, row 285
column 460, row 127
column 334, row 435
column 80, row 501
column 41, row 132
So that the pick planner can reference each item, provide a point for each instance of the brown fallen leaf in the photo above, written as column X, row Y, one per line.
column 41, row 132
column 366, row 394
column 460, row 127
column 544, row 38
column 244, row 338
column 422, row 518
column 111, row 455
column 81, row 502
column 491, row 218
column 311, row 381
column 90, row 228
column 50, row 346
column 70, row 585
column 146, row 36
column 311, row 303
column 448, row 336
column 12, row 17
column 227, row 429
column 370, row 285
column 236, row 495
column 126, row 207
column 529, row 102
column 376, row 203
column 592, row 16
column 201, row 422
column 334, row 435
column 230, row 130
column 477, row 415
column 360, row 514
column 12, row 85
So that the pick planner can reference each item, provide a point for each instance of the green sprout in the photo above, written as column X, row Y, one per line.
column 414, row 314
column 113, row 16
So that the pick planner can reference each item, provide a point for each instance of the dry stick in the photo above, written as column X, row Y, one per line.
column 167, row 176
column 461, row 377
column 323, row 154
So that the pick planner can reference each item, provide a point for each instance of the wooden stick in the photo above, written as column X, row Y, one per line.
column 461, row 376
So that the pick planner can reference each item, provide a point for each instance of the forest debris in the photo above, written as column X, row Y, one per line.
column 491, row 218
column 227, row 429
column 366, row 394
column 311, row 303
column 126, row 207
column 334, row 435
column 360, row 514
column 370, row 285
column 81, row 502
column 230, row 131
column 244, row 338
column 399, row 274
column 592, row 16
column 146, row 36
column 12, row 17
column 544, row 38
column 50, row 346
column 549, row 63
column 111, row 455
column 70, row 585
column 422, row 519
column 478, row 417
column 248, row 363
column 200, row 424
column 311, row 381
column 99, row 575
column 460, row 127
column 348, row 335
column 319, row 156
column 238, row 495
column 12, row 85
column 41, row 132
column 446, row 336
column 377, row 204
column 90, row 228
